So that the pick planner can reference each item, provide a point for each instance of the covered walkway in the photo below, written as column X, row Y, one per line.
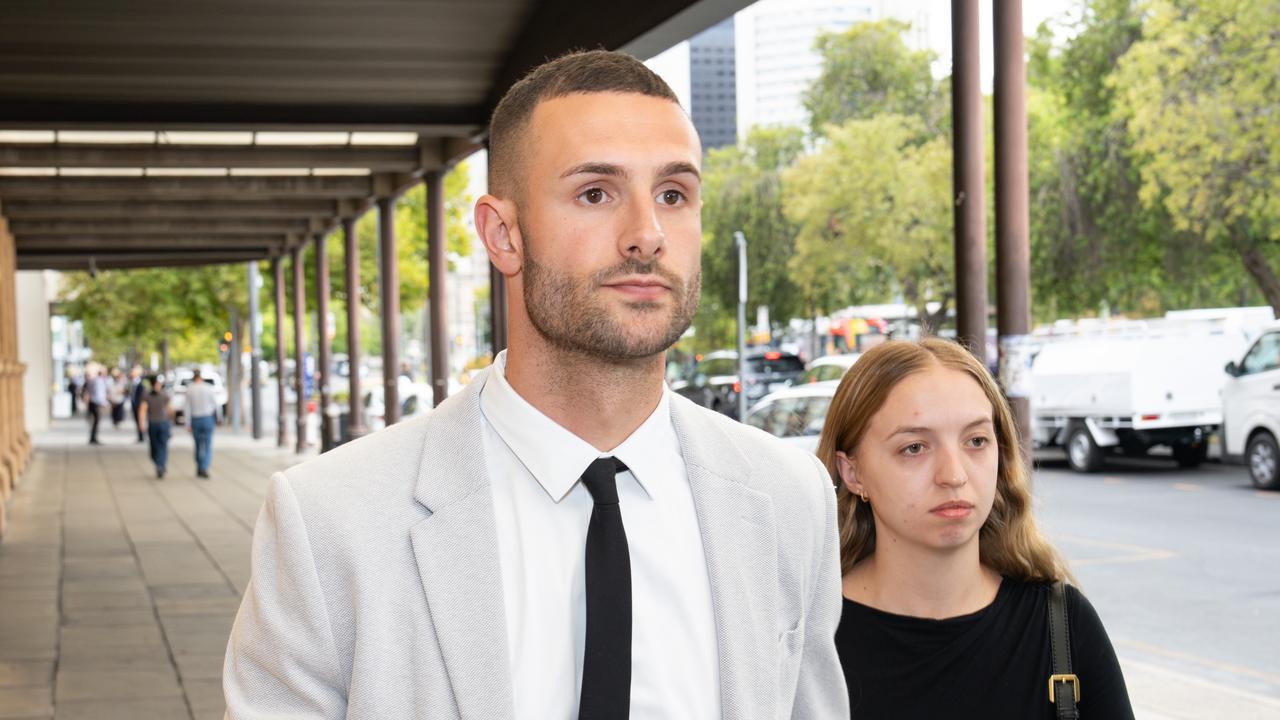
column 119, row 590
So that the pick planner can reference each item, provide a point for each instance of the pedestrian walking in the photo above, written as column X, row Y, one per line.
column 117, row 392
column 96, row 400
column 951, row 593
column 137, row 389
column 155, row 413
column 202, row 406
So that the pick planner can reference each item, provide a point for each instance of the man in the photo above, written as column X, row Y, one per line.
column 565, row 538
column 156, row 410
column 95, row 392
column 136, row 393
column 202, row 406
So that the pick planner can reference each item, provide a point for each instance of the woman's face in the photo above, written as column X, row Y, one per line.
column 928, row 462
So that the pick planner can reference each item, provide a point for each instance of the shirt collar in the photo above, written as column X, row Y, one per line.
column 555, row 456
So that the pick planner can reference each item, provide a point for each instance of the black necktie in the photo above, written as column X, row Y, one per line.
column 606, row 663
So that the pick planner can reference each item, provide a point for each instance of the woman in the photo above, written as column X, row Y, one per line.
column 156, row 412
column 946, row 578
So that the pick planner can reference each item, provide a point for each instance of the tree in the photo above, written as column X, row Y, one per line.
column 1199, row 94
column 868, row 70
column 873, row 209
column 742, row 191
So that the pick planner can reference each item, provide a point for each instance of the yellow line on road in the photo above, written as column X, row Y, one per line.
column 1187, row 487
column 1269, row 677
column 1128, row 554
column 1112, row 481
column 1267, row 494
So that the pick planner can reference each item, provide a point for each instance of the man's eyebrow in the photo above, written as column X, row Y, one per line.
column 678, row 167
column 595, row 168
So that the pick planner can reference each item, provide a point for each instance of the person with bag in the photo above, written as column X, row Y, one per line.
column 955, row 605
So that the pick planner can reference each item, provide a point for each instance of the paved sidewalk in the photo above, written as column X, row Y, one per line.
column 117, row 591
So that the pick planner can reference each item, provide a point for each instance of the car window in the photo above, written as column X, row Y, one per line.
column 759, row 416
column 771, row 365
column 816, row 415
column 830, row 372
column 1264, row 355
column 788, row 417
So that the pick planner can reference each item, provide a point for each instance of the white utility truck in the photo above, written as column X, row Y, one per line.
column 1100, row 387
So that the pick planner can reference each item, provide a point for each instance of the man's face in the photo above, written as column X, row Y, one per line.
column 610, row 217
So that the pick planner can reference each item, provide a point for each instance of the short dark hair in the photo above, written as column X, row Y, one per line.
column 590, row 71
column 195, row 374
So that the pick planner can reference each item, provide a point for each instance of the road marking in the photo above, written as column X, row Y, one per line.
column 1187, row 487
column 1268, row 677
column 1128, row 554
column 1160, row 693
column 1267, row 493
column 1112, row 481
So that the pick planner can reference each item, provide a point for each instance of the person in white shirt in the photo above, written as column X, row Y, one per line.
column 565, row 538
column 202, row 409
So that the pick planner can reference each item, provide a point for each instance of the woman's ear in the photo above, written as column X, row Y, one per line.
column 496, row 224
column 847, row 466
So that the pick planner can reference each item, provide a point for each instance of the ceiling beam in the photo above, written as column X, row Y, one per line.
column 172, row 228
column 231, row 210
column 109, row 243
column 184, row 188
column 81, row 261
column 437, row 120
column 385, row 159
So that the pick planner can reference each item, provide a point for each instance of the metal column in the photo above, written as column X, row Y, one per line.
column 390, row 292
column 1013, row 247
column 300, row 344
column 969, row 191
column 255, row 353
column 282, row 431
column 324, row 363
column 355, row 416
column 438, row 265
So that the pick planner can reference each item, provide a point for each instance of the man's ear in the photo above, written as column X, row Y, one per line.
column 496, row 224
column 848, row 469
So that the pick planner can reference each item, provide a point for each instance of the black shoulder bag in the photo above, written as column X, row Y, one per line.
column 1064, row 686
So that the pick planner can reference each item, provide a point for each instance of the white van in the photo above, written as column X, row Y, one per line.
column 1251, row 410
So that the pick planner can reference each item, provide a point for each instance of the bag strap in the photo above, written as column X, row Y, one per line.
column 1064, row 686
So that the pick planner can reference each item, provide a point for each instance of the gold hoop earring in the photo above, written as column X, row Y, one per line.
column 863, row 496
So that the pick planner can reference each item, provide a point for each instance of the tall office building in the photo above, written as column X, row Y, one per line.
column 776, row 59
column 713, row 85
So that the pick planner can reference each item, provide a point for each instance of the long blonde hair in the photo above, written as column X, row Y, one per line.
column 1009, row 541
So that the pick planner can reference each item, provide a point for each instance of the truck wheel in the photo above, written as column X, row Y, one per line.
column 1190, row 456
column 1263, row 457
column 1083, row 454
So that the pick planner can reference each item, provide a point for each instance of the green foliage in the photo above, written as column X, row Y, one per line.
column 873, row 211
column 742, row 191
column 868, row 70
column 1199, row 93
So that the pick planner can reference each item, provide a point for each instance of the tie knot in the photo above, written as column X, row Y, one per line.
column 601, row 481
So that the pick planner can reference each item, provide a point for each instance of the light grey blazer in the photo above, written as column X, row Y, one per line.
column 376, row 591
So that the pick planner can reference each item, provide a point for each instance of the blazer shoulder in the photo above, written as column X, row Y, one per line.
column 389, row 457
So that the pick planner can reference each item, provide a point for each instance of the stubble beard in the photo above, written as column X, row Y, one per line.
column 571, row 315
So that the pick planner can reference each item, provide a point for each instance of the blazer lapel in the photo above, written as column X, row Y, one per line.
column 457, row 554
column 739, row 540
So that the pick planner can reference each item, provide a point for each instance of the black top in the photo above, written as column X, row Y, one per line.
column 993, row 664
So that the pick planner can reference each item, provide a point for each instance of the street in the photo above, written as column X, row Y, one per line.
column 1184, row 569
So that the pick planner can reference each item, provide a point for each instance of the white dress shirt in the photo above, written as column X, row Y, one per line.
column 542, row 512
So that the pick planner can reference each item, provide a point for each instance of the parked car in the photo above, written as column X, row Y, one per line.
column 827, row 368
column 415, row 398
column 182, row 379
column 795, row 414
column 1251, row 410
column 713, row 382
